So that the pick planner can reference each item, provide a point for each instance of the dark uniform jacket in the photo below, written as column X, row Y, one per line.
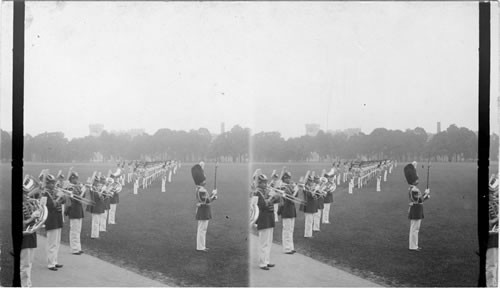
column 75, row 211
column 321, row 201
column 266, row 212
column 203, row 211
column 288, row 205
column 329, row 193
column 311, row 202
column 107, row 202
column 116, row 197
column 54, row 216
column 98, row 208
column 416, row 210
column 29, row 241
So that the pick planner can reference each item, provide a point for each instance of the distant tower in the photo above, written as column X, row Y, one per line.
column 312, row 129
column 439, row 127
column 96, row 129
column 222, row 130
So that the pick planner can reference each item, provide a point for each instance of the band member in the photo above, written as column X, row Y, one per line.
column 492, row 251
column 27, row 252
column 379, row 177
column 288, row 215
column 116, row 188
column 329, row 197
column 203, row 209
column 97, row 209
column 320, row 204
column 107, row 182
column 75, row 213
column 265, row 222
column 54, row 222
column 310, row 207
column 416, row 210
column 274, row 183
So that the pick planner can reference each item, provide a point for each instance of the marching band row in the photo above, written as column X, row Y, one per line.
column 48, row 199
column 271, row 198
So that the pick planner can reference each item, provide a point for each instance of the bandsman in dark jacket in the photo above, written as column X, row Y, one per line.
column 203, row 209
column 75, row 214
column 310, row 207
column 97, row 209
column 265, row 222
column 107, row 182
column 54, row 222
column 116, row 188
column 329, row 196
column 27, row 254
column 416, row 210
column 320, row 205
column 288, row 215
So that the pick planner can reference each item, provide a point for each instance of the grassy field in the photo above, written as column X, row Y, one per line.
column 368, row 234
column 155, row 233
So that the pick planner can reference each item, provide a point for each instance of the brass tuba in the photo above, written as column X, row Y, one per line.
column 34, row 212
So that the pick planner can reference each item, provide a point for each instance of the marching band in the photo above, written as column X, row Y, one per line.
column 48, row 199
column 278, row 198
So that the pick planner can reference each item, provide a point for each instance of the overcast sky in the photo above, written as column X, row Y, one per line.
column 267, row 66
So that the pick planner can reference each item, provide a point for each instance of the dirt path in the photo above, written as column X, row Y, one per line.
column 83, row 270
column 298, row 270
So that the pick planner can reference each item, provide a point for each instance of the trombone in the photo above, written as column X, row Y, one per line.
column 77, row 197
column 275, row 192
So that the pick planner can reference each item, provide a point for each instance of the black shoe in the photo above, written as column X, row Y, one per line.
column 270, row 265
column 81, row 252
column 53, row 268
column 291, row 252
column 264, row 268
column 59, row 265
column 415, row 250
column 294, row 251
column 204, row 250
column 76, row 253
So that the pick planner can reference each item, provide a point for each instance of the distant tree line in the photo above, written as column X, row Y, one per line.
column 239, row 145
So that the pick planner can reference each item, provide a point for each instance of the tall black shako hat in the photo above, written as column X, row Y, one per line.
column 411, row 174
column 198, row 174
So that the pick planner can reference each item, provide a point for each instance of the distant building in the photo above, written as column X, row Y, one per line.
column 131, row 132
column 438, row 127
column 95, row 130
column 312, row 129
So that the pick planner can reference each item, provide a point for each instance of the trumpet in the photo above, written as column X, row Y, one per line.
column 275, row 192
column 68, row 193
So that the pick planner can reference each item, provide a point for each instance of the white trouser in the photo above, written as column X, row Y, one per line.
column 136, row 186
column 287, row 234
column 338, row 179
column 96, row 219
column 317, row 220
column 326, row 213
column 53, row 242
column 276, row 212
column 378, row 184
column 385, row 175
column 414, row 228
column 163, row 185
column 27, row 258
column 102, row 222
column 170, row 176
column 201, row 234
column 75, row 228
column 492, row 267
column 265, row 244
column 350, row 187
column 112, row 213
column 308, row 227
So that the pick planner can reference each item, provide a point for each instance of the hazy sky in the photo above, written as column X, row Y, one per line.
column 267, row 66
